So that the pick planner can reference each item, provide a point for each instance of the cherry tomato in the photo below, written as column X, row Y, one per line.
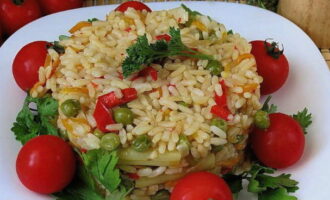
column 281, row 144
column 16, row 13
column 27, row 63
column 54, row 6
column 46, row 164
column 201, row 186
column 132, row 4
column 274, row 71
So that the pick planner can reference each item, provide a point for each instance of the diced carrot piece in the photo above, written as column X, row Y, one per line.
column 79, row 26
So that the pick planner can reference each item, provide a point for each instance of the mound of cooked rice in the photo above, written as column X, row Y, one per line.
column 91, row 67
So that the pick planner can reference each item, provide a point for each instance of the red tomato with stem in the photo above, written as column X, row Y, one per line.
column 281, row 144
column 132, row 4
column 272, row 65
column 27, row 63
column 201, row 186
column 16, row 13
column 46, row 164
column 54, row 6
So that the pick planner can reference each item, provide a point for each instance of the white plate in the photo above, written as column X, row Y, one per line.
column 308, row 85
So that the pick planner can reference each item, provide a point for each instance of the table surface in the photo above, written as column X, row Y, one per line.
column 325, row 52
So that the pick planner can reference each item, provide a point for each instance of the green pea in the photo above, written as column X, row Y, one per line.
column 261, row 119
column 182, row 103
column 141, row 143
column 70, row 107
column 161, row 195
column 123, row 116
column 220, row 123
column 216, row 149
column 110, row 141
column 184, row 140
column 98, row 133
column 215, row 67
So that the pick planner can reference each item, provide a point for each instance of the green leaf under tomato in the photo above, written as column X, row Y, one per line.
column 42, row 121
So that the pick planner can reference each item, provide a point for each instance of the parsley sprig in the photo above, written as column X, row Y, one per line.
column 31, row 123
column 97, row 174
column 269, row 108
column 142, row 53
column 263, row 183
column 304, row 118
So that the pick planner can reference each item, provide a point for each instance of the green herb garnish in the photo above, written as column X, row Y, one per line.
column 264, row 184
column 33, row 122
column 269, row 108
column 304, row 118
column 97, row 173
column 92, row 20
column 142, row 53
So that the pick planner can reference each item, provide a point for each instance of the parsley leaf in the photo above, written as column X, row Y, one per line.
column 263, row 183
column 304, row 118
column 93, row 20
column 191, row 14
column 95, row 175
column 31, row 123
column 234, row 182
column 142, row 53
column 269, row 109
column 102, row 165
column 276, row 194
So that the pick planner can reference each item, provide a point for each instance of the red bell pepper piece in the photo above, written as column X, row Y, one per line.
column 110, row 100
column 222, row 100
column 129, row 94
column 221, row 111
column 149, row 71
column 102, row 116
column 133, row 176
column 165, row 37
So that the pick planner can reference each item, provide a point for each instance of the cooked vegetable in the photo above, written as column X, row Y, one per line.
column 149, row 71
column 183, row 145
column 215, row 67
column 261, row 119
column 147, row 181
column 204, row 164
column 31, row 123
column 46, row 164
column 201, row 185
column 110, row 100
column 272, row 65
column 70, row 107
column 123, row 116
column 102, row 116
column 110, row 141
column 221, row 108
column 182, row 103
column 281, row 144
column 220, row 123
column 141, row 143
column 262, row 183
column 131, row 157
column 142, row 53
column 98, row 133
column 27, row 63
column 161, row 195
